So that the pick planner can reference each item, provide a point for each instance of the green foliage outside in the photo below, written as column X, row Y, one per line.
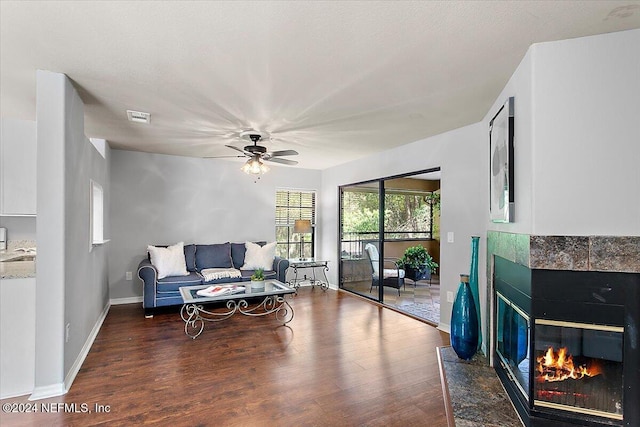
column 405, row 214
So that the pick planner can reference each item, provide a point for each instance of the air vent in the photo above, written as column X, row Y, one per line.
column 138, row 116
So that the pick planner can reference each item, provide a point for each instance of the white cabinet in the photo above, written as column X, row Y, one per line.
column 18, row 151
column 17, row 336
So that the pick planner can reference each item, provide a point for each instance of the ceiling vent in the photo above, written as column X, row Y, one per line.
column 138, row 116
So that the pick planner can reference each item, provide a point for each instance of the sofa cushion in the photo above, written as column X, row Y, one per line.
column 190, row 257
column 259, row 257
column 173, row 283
column 213, row 256
column 169, row 261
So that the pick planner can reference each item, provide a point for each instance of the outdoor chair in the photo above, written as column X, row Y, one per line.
column 391, row 277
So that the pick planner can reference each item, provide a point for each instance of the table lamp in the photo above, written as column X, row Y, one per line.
column 302, row 226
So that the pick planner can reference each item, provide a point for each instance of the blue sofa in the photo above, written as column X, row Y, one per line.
column 165, row 292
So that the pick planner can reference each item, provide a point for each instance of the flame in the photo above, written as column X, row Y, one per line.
column 559, row 367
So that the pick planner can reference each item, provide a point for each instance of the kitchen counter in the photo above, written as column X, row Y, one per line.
column 17, row 269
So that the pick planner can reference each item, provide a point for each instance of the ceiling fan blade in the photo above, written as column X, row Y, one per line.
column 283, row 153
column 283, row 161
column 221, row 157
column 239, row 149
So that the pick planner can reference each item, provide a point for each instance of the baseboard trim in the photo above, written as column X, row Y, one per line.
column 45, row 392
column 16, row 394
column 85, row 349
column 128, row 300
column 444, row 328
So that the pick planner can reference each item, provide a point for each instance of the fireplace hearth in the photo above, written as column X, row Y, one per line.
column 566, row 344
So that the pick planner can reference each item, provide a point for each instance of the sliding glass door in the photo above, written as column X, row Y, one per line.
column 379, row 220
column 359, row 230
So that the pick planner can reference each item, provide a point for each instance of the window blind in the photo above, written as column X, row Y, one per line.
column 292, row 205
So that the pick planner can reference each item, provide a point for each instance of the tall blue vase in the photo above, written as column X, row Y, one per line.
column 473, row 283
column 464, row 321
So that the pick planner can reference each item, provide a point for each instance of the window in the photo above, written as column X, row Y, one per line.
column 97, row 214
column 292, row 206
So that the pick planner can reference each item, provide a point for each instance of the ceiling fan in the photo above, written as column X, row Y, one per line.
column 258, row 153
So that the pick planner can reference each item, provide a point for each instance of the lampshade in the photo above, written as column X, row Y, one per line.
column 302, row 226
column 255, row 166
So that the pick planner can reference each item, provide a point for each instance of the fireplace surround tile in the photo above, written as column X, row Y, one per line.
column 615, row 253
column 559, row 252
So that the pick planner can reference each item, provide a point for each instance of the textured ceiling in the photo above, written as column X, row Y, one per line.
column 333, row 80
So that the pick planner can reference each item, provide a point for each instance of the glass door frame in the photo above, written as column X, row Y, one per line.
column 381, row 225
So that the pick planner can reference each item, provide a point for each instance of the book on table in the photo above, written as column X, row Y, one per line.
column 219, row 290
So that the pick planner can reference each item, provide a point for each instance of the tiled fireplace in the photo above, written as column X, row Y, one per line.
column 565, row 327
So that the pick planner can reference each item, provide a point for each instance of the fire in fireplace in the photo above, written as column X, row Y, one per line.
column 579, row 368
column 559, row 366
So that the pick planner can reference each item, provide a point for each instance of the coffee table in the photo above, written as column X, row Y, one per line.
column 270, row 299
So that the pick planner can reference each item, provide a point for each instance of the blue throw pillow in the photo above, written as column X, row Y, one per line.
column 213, row 256
column 190, row 257
column 237, row 254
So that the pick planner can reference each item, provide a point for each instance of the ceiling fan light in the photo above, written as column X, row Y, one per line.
column 246, row 168
column 254, row 166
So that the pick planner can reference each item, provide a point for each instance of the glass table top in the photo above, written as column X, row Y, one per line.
column 235, row 290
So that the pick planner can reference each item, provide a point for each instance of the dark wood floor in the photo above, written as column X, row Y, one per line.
column 342, row 361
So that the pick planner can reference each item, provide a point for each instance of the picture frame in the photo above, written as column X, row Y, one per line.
column 501, row 164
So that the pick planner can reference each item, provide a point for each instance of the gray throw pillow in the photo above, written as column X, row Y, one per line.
column 213, row 256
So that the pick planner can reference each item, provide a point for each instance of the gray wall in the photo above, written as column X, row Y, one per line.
column 160, row 199
column 71, row 285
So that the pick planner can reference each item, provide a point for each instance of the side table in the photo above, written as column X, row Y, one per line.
column 312, row 264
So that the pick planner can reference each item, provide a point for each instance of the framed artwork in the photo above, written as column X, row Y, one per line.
column 501, row 185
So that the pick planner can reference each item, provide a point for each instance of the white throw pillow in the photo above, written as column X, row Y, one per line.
column 259, row 257
column 169, row 261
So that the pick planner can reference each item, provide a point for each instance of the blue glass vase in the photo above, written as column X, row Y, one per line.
column 464, row 321
column 473, row 283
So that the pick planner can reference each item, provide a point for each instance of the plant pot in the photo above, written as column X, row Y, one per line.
column 257, row 284
column 417, row 274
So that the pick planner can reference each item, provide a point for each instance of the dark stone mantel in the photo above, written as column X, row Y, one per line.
column 577, row 253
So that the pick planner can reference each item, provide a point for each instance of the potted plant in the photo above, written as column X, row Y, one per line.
column 257, row 279
column 418, row 264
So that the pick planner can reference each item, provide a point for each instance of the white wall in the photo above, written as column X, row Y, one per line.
column 50, row 117
column 577, row 133
column 160, row 199
column 587, row 135
column 71, row 283
column 462, row 156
